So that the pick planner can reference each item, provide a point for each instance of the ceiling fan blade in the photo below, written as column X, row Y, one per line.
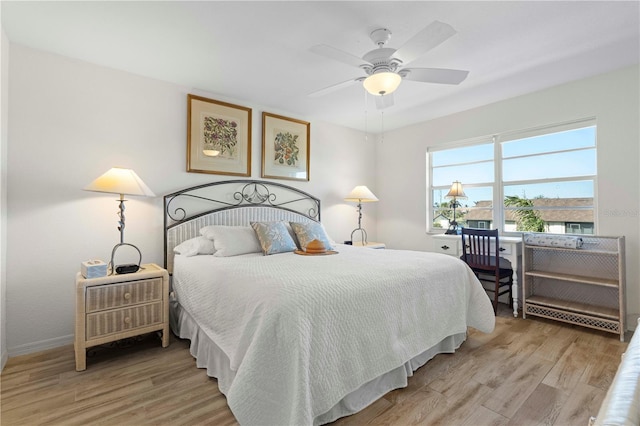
column 384, row 101
column 338, row 55
column 334, row 87
column 434, row 34
column 434, row 75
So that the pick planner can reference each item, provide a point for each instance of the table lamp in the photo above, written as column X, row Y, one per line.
column 361, row 194
column 455, row 192
column 123, row 182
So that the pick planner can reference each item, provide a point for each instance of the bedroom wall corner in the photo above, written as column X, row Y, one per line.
column 344, row 158
column 4, row 121
column 611, row 98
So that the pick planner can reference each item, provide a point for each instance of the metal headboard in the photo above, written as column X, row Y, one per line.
column 233, row 202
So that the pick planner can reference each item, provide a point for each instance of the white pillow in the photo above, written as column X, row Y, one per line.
column 194, row 247
column 232, row 240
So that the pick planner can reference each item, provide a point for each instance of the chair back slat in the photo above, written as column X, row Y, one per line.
column 476, row 248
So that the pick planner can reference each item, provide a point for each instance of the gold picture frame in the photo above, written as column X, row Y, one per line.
column 218, row 137
column 285, row 147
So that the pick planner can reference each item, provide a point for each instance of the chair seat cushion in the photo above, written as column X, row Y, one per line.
column 505, row 265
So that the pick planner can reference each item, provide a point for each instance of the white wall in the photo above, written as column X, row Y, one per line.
column 70, row 122
column 4, row 118
column 612, row 98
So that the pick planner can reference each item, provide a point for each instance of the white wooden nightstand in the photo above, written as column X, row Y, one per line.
column 120, row 306
column 370, row 245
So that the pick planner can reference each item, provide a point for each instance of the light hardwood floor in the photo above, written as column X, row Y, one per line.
column 527, row 372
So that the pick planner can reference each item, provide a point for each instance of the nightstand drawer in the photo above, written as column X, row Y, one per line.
column 119, row 320
column 451, row 248
column 505, row 249
column 100, row 298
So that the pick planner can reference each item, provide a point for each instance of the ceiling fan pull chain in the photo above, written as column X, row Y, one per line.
column 366, row 133
column 382, row 126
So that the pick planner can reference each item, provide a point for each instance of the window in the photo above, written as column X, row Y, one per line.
column 472, row 165
column 540, row 180
column 579, row 228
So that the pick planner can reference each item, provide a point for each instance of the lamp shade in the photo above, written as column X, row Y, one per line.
column 361, row 194
column 456, row 191
column 382, row 83
column 120, row 181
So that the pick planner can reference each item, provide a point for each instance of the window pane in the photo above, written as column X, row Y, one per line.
column 477, row 218
column 479, row 213
column 465, row 154
column 571, row 189
column 476, row 207
column 549, row 166
column 559, row 207
column 579, row 138
column 467, row 173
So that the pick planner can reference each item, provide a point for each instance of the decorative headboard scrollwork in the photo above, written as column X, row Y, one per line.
column 253, row 192
column 193, row 207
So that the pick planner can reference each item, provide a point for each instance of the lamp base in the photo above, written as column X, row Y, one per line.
column 124, row 269
column 453, row 229
column 363, row 235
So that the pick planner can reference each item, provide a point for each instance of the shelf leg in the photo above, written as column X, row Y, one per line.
column 515, row 294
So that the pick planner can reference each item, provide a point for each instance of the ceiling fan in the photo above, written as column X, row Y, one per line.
column 384, row 66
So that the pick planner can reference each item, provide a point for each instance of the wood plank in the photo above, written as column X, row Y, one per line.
column 367, row 415
column 583, row 403
column 510, row 396
column 556, row 344
column 485, row 417
column 601, row 369
column 414, row 410
column 541, row 407
column 567, row 372
column 460, row 404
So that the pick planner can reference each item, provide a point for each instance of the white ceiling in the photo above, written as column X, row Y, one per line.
column 257, row 53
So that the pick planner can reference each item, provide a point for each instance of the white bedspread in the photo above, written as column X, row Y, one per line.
column 301, row 332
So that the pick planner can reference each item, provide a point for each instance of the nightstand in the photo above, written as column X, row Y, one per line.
column 370, row 245
column 120, row 306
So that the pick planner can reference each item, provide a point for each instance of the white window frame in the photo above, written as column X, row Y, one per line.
column 498, row 184
column 453, row 145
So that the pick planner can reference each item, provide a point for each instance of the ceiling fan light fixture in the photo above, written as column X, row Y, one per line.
column 382, row 83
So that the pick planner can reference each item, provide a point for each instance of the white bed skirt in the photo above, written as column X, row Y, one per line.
column 208, row 355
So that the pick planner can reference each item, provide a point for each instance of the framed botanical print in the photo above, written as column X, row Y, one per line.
column 285, row 147
column 218, row 137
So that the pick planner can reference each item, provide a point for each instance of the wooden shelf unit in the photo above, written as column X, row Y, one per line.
column 584, row 286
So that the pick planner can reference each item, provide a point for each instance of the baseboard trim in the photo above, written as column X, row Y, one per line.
column 40, row 346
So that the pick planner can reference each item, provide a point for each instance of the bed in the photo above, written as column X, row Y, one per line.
column 297, row 339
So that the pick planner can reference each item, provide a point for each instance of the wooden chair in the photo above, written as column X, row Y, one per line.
column 480, row 250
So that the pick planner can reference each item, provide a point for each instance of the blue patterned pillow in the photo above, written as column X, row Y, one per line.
column 274, row 237
column 307, row 232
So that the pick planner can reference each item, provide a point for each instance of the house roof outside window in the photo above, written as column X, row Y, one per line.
column 566, row 214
